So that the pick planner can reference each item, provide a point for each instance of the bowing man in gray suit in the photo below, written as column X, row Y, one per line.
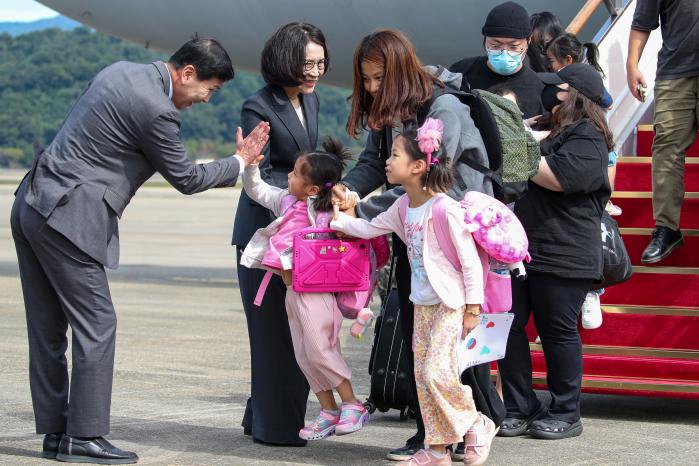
column 123, row 128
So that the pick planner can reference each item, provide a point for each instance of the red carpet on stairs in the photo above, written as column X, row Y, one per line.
column 644, row 142
column 634, row 176
column 638, row 213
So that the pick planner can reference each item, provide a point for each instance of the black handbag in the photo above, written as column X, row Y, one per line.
column 617, row 266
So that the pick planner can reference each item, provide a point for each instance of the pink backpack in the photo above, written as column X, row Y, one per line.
column 329, row 265
column 495, row 229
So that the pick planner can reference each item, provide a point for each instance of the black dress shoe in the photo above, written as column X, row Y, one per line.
column 51, row 442
column 97, row 450
column 663, row 241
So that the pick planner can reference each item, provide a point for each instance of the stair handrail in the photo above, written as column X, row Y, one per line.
column 588, row 9
column 612, row 42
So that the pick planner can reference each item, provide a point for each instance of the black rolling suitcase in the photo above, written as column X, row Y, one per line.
column 388, row 364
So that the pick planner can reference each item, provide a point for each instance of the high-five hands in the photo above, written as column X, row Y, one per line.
column 250, row 148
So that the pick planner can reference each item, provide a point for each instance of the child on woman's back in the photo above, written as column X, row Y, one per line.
column 313, row 317
column 447, row 301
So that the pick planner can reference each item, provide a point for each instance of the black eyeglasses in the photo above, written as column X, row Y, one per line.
column 308, row 65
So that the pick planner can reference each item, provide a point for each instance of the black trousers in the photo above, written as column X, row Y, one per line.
column 279, row 391
column 63, row 286
column 555, row 303
column 407, row 319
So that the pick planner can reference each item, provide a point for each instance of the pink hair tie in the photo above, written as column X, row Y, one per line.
column 329, row 184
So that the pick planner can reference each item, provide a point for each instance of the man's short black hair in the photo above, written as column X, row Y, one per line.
column 208, row 57
column 284, row 53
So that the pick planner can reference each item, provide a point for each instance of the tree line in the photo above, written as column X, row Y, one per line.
column 43, row 72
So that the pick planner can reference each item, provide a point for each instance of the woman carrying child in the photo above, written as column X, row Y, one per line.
column 313, row 317
column 447, row 302
column 561, row 214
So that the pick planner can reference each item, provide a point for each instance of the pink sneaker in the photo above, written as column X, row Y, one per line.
column 478, row 440
column 364, row 319
column 323, row 426
column 352, row 418
column 426, row 457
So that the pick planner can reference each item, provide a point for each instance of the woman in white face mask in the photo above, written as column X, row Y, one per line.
column 506, row 38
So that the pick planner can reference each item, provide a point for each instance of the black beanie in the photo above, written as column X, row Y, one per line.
column 508, row 19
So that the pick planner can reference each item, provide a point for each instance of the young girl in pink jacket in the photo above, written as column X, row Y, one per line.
column 313, row 317
column 447, row 301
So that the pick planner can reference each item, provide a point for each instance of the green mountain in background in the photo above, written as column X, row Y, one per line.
column 21, row 27
column 43, row 72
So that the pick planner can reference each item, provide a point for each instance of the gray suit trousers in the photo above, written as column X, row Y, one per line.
column 64, row 286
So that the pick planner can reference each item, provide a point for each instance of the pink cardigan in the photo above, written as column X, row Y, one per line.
column 454, row 288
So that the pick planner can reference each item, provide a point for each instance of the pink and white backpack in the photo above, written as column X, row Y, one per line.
column 495, row 229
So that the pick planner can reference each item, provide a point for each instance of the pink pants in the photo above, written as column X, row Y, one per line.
column 314, row 323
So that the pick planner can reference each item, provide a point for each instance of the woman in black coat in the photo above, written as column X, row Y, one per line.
column 293, row 60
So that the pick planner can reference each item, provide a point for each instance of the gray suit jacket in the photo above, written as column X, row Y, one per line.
column 287, row 138
column 121, row 130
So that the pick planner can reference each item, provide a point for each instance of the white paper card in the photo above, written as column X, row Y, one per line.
column 487, row 342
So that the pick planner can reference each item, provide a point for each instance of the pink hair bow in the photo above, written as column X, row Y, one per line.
column 429, row 137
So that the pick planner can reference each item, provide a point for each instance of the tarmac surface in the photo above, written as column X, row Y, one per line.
column 182, row 362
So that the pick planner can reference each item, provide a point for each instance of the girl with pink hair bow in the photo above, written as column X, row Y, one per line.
column 447, row 301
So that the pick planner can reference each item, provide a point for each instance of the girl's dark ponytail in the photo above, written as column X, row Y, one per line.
column 592, row 56
column 568, row 45
column 324, row 169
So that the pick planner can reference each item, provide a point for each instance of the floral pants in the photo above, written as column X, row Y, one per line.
column 447, row 407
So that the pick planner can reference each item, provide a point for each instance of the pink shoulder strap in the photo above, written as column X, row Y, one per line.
column 441, row 227
column 323, row 219
column 441, row 230
column 287, row 201
column 403, row 207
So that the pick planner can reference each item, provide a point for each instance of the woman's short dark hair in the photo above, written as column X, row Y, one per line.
column 439, row 178
column 207, row 56
column 545, row 27
column 284, row 54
